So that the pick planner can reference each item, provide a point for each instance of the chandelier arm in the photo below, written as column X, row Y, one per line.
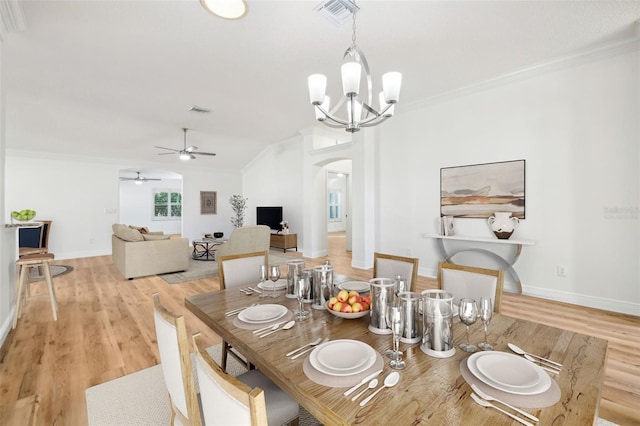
column 332, row 117
column 371, row 123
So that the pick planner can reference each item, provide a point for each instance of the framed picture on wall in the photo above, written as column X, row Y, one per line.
column 208, row 202
column 480, row 190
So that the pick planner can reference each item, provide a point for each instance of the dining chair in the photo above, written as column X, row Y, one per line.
column 173, row 345
column 389, row 266
column 250, row 398
column 239, row 270
column 34, row 240
column 472, row 282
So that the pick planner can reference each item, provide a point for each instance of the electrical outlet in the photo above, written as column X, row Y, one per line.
column 562, row 271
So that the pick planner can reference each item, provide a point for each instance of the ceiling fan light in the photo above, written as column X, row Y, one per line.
column 184, row 156
column 227, row 9
column 139, row 182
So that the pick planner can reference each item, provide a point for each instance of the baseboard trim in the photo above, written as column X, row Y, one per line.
column 7, row 325
column 82, row 254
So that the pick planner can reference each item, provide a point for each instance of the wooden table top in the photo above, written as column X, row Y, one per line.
column 430, row 390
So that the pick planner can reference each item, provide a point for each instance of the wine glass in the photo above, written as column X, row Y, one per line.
column 395, row 320
column 301, row 289
column 274, row 275
column 264, row 274
column 486, row 309
column 468, row 316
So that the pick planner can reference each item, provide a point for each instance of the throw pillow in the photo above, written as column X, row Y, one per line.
column 155, row 237
column 125, row 233
column 141, row 229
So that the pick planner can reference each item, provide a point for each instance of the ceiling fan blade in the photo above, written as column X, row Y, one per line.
column 167, row 153
column 126, row 178
column 170, row 149
column 203, row 153
column 191, row 148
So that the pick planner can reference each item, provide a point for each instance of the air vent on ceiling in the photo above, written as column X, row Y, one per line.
column 337, row 11
column 195, row 108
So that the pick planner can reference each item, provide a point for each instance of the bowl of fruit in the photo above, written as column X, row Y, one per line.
column 349, row 305
column 23, row 215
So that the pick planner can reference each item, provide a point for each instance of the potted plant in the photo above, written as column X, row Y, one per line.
column 238, row 205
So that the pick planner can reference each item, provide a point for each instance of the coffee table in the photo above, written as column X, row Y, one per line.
column 205, row 249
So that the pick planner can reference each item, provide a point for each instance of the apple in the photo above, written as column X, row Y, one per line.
column 357, row 307
column 367, row 298
column 346, row 308
column 332, row 302
column 365, row 305
column 337, row 306
column 353, row 293
column 343, row 296
column 354, row 299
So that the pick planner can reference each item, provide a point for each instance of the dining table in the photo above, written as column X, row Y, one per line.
column 431, row 390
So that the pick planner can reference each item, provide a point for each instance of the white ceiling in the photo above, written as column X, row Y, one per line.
column 114, row 78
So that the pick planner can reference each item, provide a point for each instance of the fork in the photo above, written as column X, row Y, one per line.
column 299, row 354
column 315, row 342
column 486, row 397
column 248, row 291
column 484, row 403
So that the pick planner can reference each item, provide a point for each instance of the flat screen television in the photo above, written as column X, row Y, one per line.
column 270, row 216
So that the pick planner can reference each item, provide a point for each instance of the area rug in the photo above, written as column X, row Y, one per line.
column 199, row 269
column 56, row 270
column 141, row 398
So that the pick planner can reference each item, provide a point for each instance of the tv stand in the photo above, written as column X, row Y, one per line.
column 284, row 241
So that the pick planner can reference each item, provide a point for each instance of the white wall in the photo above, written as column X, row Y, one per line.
column 578, row 130
column 81, row 197
column 136, row 205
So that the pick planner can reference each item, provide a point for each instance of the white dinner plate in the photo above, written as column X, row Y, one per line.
column 260, row 314
column 281, row 284
column 359, row 286
column 342, row 357
column 508, row 370
column 501, row 364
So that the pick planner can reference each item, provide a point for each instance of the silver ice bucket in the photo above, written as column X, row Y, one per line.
column 437, row 335
column 383, row 290
column 410, row 303
column 294, row 273
column 322, row 286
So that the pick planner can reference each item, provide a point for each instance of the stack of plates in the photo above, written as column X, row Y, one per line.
column 281, row 284
column 508, row 373
column 261, row 314
column 342, row 357
column 359, row 286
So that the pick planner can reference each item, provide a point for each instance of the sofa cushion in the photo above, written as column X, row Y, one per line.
column 125, row 233
column 155, row 237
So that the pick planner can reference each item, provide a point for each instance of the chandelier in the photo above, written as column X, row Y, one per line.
column 358, row 112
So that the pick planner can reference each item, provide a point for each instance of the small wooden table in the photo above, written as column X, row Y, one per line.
column 431, row 390
column 284, row 241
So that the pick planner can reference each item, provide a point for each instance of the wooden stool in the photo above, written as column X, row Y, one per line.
column 24, row 264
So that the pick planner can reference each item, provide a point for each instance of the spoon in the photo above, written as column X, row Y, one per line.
column 315, row 342
column 484, row 403
column 372, row 384
column 284, row 327
column 390, row 381
column 520, row 351
column 490, row 398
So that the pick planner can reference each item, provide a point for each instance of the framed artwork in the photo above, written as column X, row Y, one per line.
column 208, row 202
column 480, row 190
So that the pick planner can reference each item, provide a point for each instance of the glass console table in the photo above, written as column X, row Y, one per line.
column 507, row 263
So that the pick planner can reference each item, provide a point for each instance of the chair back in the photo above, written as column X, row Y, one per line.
column 389, row 266
column 225, row 399
column 246, row 239
column 474, row 283
column 239, row 270
column 29, row 237
column 173, row 345
column 44, row 235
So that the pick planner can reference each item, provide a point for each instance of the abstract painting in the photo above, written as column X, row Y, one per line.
column 480, row 190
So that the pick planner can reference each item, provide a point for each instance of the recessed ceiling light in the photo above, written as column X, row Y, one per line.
column 228, row 9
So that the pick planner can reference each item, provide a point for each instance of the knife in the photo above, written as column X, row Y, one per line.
column 362, row 382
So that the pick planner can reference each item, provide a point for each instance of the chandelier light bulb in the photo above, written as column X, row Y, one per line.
column 351, row 72
column 391, row 83
column 317, row 88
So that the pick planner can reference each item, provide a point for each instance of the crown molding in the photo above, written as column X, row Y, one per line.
column 577, row 58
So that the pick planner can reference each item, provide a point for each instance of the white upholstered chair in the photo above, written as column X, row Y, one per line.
column 239, row 270
column 246, row 239
column 173, row 345
column 472, row 282
column 389, row 266
column 249, row 399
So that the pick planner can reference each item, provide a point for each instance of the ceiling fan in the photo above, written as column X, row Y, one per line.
column 186, row 153
column 138, row 179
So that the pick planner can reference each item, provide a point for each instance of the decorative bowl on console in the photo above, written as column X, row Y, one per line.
column 218, row 234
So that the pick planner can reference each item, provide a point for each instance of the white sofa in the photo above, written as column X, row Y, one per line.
column 137, row 255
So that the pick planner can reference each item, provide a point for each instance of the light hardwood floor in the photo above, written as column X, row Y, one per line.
column 105, row 330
